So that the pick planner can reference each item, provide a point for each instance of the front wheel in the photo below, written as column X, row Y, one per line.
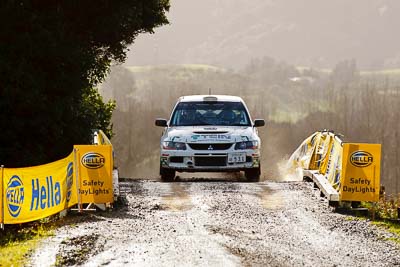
column 253, row 174
column 167, row 175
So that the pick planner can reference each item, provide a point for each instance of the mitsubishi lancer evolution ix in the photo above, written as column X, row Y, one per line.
column 212, row 133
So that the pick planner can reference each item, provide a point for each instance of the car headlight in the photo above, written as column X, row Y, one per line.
column 168, row 145
column 247, row 145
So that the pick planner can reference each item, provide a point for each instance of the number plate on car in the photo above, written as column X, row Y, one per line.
column 236, row 157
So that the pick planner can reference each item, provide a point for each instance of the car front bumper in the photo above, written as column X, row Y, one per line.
column 210, row 161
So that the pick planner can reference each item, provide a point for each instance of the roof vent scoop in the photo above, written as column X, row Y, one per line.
column 210, row 99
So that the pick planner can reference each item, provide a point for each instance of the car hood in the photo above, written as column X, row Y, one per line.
column 201, row 134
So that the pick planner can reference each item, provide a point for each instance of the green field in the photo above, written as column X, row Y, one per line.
column 194, row 67
column 205, row 67
column 384, row 72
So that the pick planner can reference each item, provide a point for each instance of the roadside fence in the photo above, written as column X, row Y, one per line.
column 343, row 171
column 83, row 177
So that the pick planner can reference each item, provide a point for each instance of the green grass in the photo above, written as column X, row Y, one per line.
column 392, row 227
column 389, row 225
column 386, row 215
column 17, row 243
column 358, row 218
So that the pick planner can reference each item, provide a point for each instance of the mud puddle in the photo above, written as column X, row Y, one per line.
column 177, row 199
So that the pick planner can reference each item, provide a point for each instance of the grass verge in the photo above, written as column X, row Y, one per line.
column 385, row 215
column 17, row 242
column 393, row 227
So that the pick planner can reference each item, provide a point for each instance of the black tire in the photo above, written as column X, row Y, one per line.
column 167, row 175
column 253, row 175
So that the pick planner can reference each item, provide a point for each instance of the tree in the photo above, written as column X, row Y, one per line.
column 345, row 72
column 52, row 56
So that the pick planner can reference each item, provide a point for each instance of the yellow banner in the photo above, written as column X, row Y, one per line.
column 1, row 196
column 37, row 192
column 95, row 173
column 360, row 179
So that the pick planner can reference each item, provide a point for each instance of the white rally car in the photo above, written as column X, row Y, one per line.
column 211, row 134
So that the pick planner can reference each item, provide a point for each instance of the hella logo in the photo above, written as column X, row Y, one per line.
column 93, row 160
column 15, row 196
column 361, row 158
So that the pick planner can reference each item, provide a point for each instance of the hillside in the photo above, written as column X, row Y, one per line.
column 312, row 33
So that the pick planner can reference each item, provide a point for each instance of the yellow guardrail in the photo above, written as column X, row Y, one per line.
column 100, row 138
column 33, row 193
column 352, row 169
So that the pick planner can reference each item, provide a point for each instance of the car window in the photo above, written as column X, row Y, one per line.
column 210, row 113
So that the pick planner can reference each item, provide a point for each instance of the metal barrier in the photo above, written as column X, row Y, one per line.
column 343, row 171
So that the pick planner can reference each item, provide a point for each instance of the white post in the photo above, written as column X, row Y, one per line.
column 76, row 166
column 96, row 138
column 115, row 183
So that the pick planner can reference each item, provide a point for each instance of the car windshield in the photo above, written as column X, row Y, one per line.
column 210, row 113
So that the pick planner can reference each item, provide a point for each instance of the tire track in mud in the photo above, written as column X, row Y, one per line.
column 191, row 243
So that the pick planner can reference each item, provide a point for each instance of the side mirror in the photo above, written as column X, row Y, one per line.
column 259, row 122
column 161, row 122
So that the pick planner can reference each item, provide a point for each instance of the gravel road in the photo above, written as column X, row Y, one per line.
column 218, row 223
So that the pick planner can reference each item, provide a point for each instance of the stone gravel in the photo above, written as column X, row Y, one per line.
column 206, row 222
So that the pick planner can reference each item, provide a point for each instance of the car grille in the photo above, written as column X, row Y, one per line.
column 210, row 161
column 223, row 146
column 211, row 132
column 176, row 159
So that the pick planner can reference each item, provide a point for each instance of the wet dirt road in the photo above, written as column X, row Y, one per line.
column 218, row 223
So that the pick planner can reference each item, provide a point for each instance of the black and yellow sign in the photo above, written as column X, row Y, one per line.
column 360, row 180
column 95, row 173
